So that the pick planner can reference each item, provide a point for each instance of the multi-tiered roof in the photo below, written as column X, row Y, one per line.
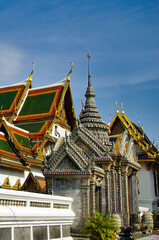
column 28, row 116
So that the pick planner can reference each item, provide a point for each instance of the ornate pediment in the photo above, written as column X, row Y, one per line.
column 67, row 165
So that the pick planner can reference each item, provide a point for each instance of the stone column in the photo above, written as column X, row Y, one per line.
column 125, row 196
column 113, row 184
column 119, row 191
column 106, row 167
column 134, row 192
column 92, row 196
column 85, row 198
column 49, row 185
column 107, row 192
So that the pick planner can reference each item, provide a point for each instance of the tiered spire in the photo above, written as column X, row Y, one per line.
column 90, row 117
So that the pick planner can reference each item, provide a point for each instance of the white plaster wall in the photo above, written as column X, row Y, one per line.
column 14, row 174
column 36, row 171
column 62, row 132
column 147, row 196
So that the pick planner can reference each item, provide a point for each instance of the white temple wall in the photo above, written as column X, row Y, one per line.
column 58, row 131
column 147, row 196
column 34, row 216
column 13, row 175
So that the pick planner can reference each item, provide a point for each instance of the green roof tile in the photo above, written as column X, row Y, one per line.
column 6, row 99
column 31, row 127
column 4, row 145
column 37, row 104
column 21, row 139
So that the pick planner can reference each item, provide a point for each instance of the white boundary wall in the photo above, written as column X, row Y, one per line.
column 26, row 215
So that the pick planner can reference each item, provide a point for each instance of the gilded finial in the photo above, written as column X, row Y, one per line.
column 138, row 122
column 31, row 71
column 68, row 76
column 122, row 108
column 116, row 107
column 142, row 127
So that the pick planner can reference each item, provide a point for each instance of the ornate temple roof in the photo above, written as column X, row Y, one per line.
column 90, row 116
column 120, row 123
column 27, row 118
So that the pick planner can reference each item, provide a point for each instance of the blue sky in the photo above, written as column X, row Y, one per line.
column 122, row 37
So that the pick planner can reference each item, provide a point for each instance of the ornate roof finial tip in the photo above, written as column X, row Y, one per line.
column 88, row 55
column 122, row 108
column 31, row 71
column 68, row 76
column 116, row 107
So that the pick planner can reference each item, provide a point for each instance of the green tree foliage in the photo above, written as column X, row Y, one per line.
column 100, row 227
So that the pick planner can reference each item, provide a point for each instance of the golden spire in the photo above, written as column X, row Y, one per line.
column 32, row 71
column 68, row 76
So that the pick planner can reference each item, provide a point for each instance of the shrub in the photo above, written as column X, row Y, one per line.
column 100, row 227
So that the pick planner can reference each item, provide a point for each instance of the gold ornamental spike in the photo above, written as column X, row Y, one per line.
column 31, row 71
column 122, row 108
column 68, row 76
column 116, row 107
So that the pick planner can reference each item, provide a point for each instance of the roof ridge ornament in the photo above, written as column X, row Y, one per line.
column 31, row 72
column 122, row 108
column 68, row 76
column 116, row 107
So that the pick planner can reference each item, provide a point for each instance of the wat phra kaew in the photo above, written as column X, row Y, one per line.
column 56, row 169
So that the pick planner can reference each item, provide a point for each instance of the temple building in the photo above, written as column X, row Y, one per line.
column 146, row 154
column 112, row 168
column 32, row 120
column 96, row 165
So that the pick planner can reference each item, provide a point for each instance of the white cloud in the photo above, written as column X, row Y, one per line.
column 10, row 62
